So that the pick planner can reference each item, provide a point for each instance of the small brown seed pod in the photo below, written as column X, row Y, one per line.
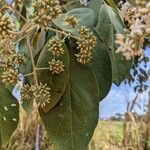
column 6, row 26
column 86, row 42
column 55, row 47
column 26, row 92
column 41, row 94
column 56, row 66
column 10, row 77
column 72, row 21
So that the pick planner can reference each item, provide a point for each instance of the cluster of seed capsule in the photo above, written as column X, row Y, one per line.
column 86, row 42
column 6, row 26
column 40, row 94
column 131, row 43
column 55, row 47
column 9, row 60
column 72, row 21
column 45, row 12
column 143, row 6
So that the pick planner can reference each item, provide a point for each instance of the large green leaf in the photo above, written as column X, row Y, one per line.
column 101, row 65
column 70, row 124
column 38, row 41
column 109, row 23
column 85, row 17
column 0, row 142
column 23, row 49
column 57, row 83
column 95, row 5
column 120, row 67
column 9, row 114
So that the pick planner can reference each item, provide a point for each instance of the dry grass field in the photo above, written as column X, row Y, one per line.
column 107, row 136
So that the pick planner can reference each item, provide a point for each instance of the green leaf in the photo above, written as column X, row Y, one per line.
column 82, row 15
column 108, row 24
column 23, row 49
column 57, row 83
column 7, row 114
column 101, row 65
column 95, row 5
column 120, row 67
column 0, row 142
column 38, row 41
column 71, row 123
column 71, row 4
column 112, row 4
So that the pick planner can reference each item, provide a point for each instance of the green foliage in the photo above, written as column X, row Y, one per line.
column 75, row 116
column 9, row 114
column 108, row 24
column 82, row 15
column 57, row 83
column 95, row 5
column 101, row 66
column 72, row 112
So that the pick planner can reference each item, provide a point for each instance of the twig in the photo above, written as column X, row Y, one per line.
column 37, row 141
column 29, row 74
column 46, row 68
column 32, row 59
column 62, row 32
column 14, row 10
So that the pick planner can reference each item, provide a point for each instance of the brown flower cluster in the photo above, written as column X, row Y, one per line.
column 143, row 6
column 9, row 77
column 131, row 43
column 86, row 42
column 9, row 61
column 6, row 26
column 56, row 66
column 72, row 21
column 55, row 47
column 40, row 94
column 45, row 12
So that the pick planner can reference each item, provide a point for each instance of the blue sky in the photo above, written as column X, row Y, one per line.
column 116, row 100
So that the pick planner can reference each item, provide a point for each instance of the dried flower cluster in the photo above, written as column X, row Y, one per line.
column 55, row 47
column 6, row 26
column 86, row 42
column 26, row 92
column 9, row 60
column 72, row 21
column 143, row 6
column 138, row 18
column 40, row 94
column 45, row 12
column 56, row 66
column 9, row 77
column 128, row 12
